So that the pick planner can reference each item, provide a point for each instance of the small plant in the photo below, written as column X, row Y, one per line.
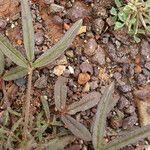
column 104, row 107
column 27, row 65
column 135, row 15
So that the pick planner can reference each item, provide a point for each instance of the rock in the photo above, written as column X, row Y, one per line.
column 83, row 78
column 78, row 11
column 70, row 53
column 104, row 3
column 39, row 38
column 130, row 110
column 57, row 20
column 90, row 47
column 86, row 67
column 110, row 21
column 3, row 24
column 147, row 65
column 117, row 76
column 141, row 79
column 98, row 25
column 20, row 82
column 48, row 2
column 123, row 103
column 129, row 122
column 99, row 11
column 93, row 85
column 71, row 69
column 62, row 60
column 142, row 93
column 54, row 8
column 59, row 70
column 122, row 35
column 99, row 56
column 125, row 88
column 86, row 88
column 41, row 82
column 145, row 49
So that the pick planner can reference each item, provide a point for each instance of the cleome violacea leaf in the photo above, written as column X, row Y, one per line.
column 45, row 106
column 2, row 62
column 28, row 32
column 15, row 73
column 101, row 115
column 59, row 142
column 88, row 101
column 78, row 129
column 128, row 138
column 60, row 92
column 12, row 53
column 51, row 54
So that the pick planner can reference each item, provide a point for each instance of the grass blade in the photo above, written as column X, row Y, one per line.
column 129, row 138
column 78, row 129
column 45, row 106
column 60, row 93
column 2, row 62
column 51, row 54
column 12, row 53
column 88, row 101
column 101, row 115
column 15, row 73
column 28, row 32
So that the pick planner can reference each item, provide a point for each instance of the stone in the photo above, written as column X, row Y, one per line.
column 99, row 56
column 54, row 8
column 142, row 93
column 83, row 78
column 98, row 25
column 59, row 70
column 3, row 24
column 86, row 67
column 39, row 38
column 77, row 12
column 41, row 82
column 90, row 47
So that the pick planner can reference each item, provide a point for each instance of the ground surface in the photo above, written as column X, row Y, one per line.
column 96, row 57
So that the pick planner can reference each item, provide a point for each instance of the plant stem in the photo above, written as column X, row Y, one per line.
column 27, row 103
column 6, row 101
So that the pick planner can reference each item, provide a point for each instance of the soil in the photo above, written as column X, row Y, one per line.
column 97, row 57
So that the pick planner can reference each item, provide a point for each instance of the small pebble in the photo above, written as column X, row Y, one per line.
column 39, row 38
column 3, row 24
column 83, row 78
column 59, row 70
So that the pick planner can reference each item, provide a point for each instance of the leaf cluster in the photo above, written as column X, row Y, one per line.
column 135, row 15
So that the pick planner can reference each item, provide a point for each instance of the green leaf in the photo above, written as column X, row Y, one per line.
column 101, row 115
column 28, row 32
column 59, row 142
column 60, row 92
column 16, row 125
column 2, row 62
column 45, row 106
column 122, row 16
column 15, row 73
column 51, row 54
column 12, row 53
column 88, row 101
column 118, row 3
column 5, row 117
column 126, row 9
column 129, row 138
column 113, row 11
column 78, row 129
column 147, row 4
column 13, row 112
column 118, row 25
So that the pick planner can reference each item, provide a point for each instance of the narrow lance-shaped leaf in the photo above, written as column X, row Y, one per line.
column 51, row 54
column 78, row 129
column 101, row 115
column 2, row 62
column 15, row 73
column 60, row 92
column 45, row 106
column 59, row 142
column 88, row 101
column 16, row 125
column 11, row 52
column 28, row 32
column 129, row 138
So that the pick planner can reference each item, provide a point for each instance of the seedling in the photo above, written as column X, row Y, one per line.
column 135, row 15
